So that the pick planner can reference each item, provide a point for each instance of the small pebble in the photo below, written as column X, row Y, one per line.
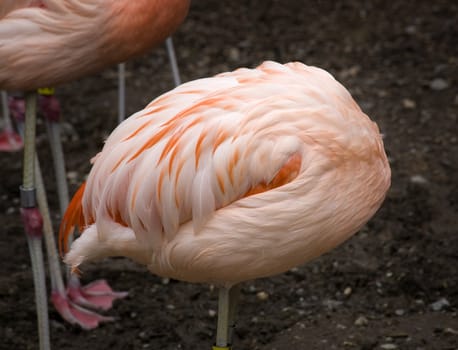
column 440, row 304
column 361, row 321
column 251, row 288
column 438, row 84
column 399, row 312
column 449, row 330
column 332, row 304
column 262, row 295
column 408, row 103
column 388, row 346
column 72, row 176
column 382, row 93
column 418, row 179
column 142, row 335
column 234, row 54
column 411, row 29
column 211, row 313
column 347, row 291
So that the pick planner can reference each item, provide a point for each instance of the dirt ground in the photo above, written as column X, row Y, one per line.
column 394, row 285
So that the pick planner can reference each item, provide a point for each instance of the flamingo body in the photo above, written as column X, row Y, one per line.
column 49, row 42
column 224, row 179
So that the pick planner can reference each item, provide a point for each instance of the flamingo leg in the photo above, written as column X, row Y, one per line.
column 122, row 78
column 53, row 130
column 227, row 305
column 173, row 61
column 69, row 311
column 33, row 223
column 61, row 298
column 10, row 141
column 96, row 295
column 121, row 92
column 234, row 295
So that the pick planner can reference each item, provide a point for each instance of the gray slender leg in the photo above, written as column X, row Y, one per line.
column 234, row 295
column 33, row 222
column 53, row 129
column 173, row 61
column 121, row 92
column 57, row 282
column 227, row 301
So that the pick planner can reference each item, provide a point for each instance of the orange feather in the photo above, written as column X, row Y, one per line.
column 73, row 218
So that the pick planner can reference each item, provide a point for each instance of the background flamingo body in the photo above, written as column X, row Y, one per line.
column 64, row 40
column 234, row 177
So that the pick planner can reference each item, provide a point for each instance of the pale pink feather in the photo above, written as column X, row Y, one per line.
column 49, row 42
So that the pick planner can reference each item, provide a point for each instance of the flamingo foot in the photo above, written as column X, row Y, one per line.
column 75, row 314
column 95, row 295
column 10, row 141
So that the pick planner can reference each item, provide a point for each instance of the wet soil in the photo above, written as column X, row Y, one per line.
column 394, row 285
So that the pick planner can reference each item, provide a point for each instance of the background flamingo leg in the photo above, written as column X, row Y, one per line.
column 10, row 141
column 33, row 223
column 60, row 295
column 173, row 61
column 65, row 298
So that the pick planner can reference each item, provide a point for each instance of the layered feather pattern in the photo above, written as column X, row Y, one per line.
column 49, row 42
column 238, row 176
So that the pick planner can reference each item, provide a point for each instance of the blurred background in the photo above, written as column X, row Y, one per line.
column 394, row 285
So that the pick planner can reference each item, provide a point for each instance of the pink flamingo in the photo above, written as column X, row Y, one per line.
column 50, row 42
column 226, row 179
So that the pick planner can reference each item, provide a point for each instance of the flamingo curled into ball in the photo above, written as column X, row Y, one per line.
column 231, row 178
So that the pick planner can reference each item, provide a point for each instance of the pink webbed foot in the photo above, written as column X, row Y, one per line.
column 76, row 305
column 95, row 295
column 75, row 314
column 10, row 141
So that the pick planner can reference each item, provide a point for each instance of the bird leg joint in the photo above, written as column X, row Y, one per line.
column 33, row 222
column 28, row 197
column 50, row 107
